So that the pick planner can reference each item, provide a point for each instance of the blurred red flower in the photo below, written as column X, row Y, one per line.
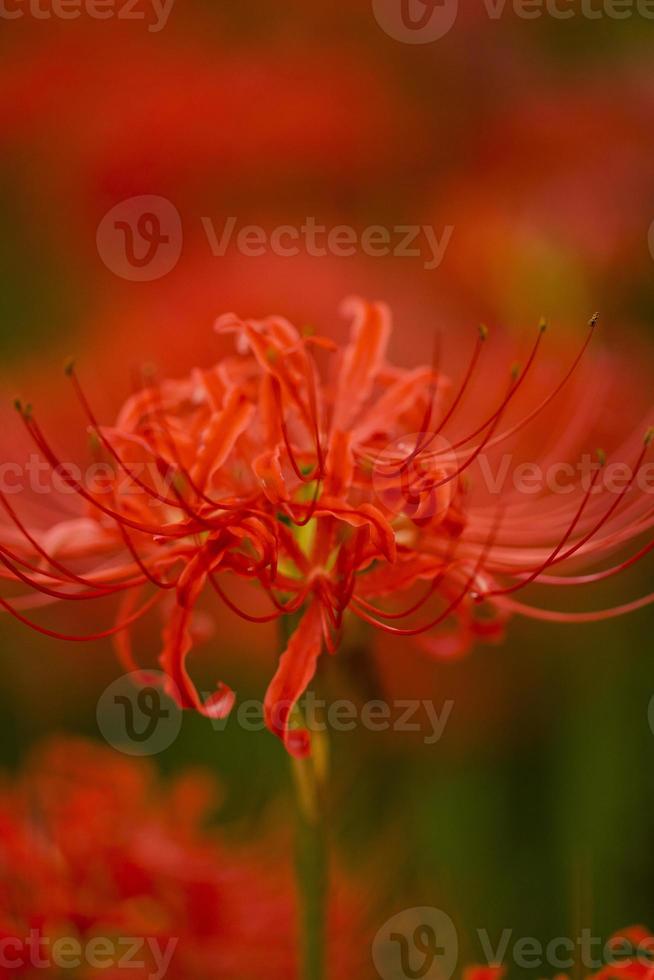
column 93, row 846
column 213, row 125
column 540, row 216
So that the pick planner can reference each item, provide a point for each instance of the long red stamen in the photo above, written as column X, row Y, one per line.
column 75, row 485
column 616, row 503
column 431, row 398
column 482, row 445
column 504, row 403
column 597, row 576
column 482, row 336
column 454, row 604
column 277, row 394
column 242, row 506
column 539, row 408
column 553, row 556
column 269, row 618
column 54, row 593
column 65, row 572
column 553, row 616
column 159, row 583
column 436, row 581
column 313, row 406
column 145, row 608
column 70, row 371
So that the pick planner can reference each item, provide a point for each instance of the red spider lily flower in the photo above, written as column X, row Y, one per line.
column 94, row 846
column 333, row 489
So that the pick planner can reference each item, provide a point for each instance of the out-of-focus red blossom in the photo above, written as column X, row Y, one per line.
column 92, row 844
column 335, row 482
column 212, row 123
column 537, row 202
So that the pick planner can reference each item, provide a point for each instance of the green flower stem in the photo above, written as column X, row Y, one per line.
column 311, row 860
column 311, row 865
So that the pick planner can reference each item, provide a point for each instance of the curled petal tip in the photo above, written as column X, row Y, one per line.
column 351, row 304
column 298, row 743
column 220, row 704
column 226, row 321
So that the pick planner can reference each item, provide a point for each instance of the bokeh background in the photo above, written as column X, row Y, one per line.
column 534, row 140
